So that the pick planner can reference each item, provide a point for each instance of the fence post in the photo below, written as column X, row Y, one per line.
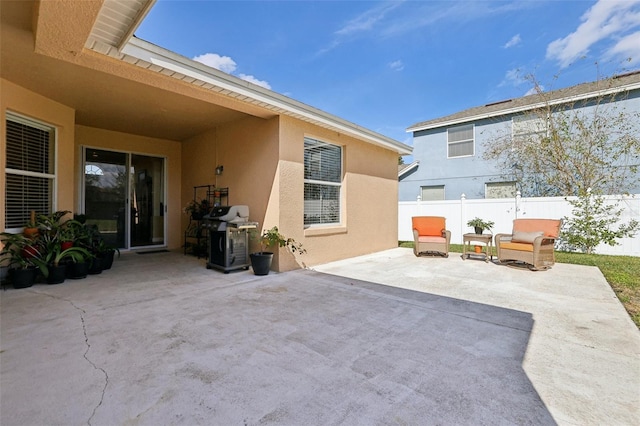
column 418, row 205
column 518, row 199
column 463, row 213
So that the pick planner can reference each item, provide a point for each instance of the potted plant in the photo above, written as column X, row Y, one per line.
column 55, row 261
column 261, row 261
column 23, row 257
column 197, row 209
column 480, row 225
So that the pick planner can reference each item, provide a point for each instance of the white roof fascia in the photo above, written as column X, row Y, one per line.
column 410, row 167
column 136, row 23
column 522, row 108
column 258, row 95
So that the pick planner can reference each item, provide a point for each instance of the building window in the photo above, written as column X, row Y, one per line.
column 29, row 170
column 500, row 190
column 527, row 128
column 460, row 141
column 322, row 182
column 432, row 193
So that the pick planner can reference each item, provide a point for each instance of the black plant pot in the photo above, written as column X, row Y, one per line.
column 23, row 277
column 96, row 266
column 479, row 230
column 107, row 260
column 261, row 262
column 57, row 274
column 77, row 270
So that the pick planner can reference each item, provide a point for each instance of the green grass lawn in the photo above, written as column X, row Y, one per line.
column 622, row 273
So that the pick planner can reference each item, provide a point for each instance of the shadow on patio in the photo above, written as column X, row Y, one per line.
column 159, row 339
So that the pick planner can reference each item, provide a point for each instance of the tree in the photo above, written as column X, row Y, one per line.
column 593, row 222
column 562, row 149
column 584, row 148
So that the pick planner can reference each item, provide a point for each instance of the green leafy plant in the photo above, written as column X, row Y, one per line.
column 197, row 207
column 273, row 238
column 476, row 222
column 21, row 252
column 594, row 222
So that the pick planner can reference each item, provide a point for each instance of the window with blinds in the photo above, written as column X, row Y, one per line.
column 500, row 190
column 29, row 170
column 528, row 128
column 322, row 182
column 460, row 141
column 432, row 193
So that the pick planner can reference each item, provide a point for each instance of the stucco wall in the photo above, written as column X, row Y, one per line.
column 264, row 168
column 18, row 100
column 369, row 197
column 170, row 150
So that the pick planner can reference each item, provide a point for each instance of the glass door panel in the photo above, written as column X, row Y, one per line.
column 105, row 194
column 147, row 201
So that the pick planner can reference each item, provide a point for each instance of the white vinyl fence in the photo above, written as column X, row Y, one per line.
column 502, row 211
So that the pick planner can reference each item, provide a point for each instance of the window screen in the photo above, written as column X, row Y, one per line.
column 29, row 173
column 500, row 190
column 322, row 182
column 460, row 141
column 528, row 128
column 432, row 193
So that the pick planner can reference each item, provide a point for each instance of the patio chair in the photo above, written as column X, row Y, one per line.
column 531, row 242
column 430, row 235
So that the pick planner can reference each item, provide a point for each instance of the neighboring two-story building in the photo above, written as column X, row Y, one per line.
column 448, row 151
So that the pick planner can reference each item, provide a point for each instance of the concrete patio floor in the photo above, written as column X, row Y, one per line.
column 386, row 338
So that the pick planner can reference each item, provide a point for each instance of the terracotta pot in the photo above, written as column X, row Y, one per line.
column 30, row 233
column 477, row 249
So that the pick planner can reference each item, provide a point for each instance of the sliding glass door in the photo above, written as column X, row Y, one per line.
column 124, row 197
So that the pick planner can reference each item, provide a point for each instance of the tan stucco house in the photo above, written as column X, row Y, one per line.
column 98, row 104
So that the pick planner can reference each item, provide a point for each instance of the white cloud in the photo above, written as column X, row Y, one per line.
column 222, row 63
column 515, row 40
column 252, row 79
column 607, row 18
column 228, row 65
column 367, row 20
column 628, row 47
column 396, row 65
column 512, row 77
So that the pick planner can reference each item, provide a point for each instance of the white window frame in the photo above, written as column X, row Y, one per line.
column 52, row 175
column 529, row 126
column 451, row 143
column 326, row 183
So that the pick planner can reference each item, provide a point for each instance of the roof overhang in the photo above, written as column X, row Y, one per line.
column 408, row 168
column 523, row 108
column 112, row 35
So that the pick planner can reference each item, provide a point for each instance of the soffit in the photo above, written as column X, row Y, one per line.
column 101, row 98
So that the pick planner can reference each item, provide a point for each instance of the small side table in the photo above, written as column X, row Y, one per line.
column 486, row 239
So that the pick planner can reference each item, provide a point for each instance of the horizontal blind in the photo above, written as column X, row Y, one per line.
column 460, row 140
column 29, row 170
column 432, row 193
column 323, row 177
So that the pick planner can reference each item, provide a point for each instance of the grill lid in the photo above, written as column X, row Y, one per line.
column 229, row 213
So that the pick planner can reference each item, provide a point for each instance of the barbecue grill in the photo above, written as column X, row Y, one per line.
column 228, row 237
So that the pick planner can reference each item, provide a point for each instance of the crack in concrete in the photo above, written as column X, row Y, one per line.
column 84, row 355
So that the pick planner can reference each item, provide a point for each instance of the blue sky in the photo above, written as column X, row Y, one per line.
column 388, row 65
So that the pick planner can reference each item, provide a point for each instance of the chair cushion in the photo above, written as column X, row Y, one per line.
column 525, row 237
column 516, row 246
column 550, row 227
column 429, row 225
column 429, row 239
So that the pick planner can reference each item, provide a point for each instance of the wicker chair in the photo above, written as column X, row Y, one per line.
column 531, row 241
column 430, row 235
